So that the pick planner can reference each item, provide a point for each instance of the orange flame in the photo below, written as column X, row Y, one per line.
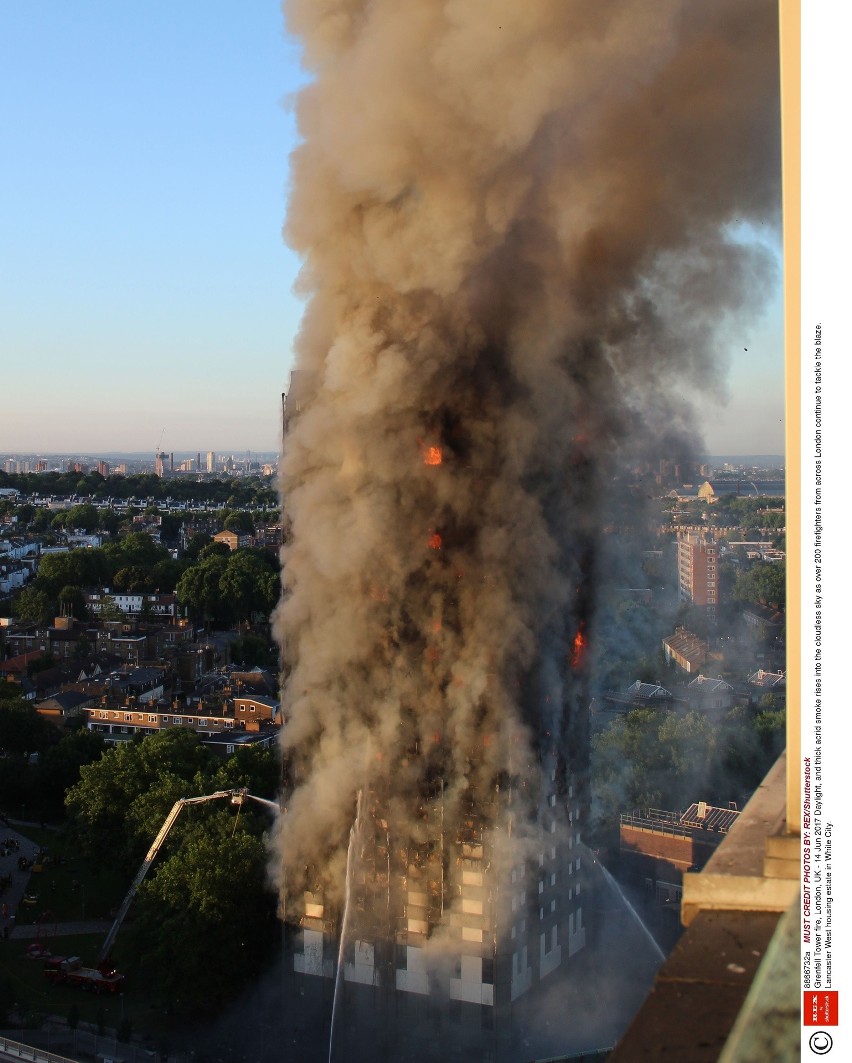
column 432, row 455
column 579, row 647
column 434, row 542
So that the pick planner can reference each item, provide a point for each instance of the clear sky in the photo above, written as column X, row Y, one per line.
column 145, row 289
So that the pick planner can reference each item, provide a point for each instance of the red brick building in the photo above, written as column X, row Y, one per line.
column 656, row 847
column 698, row 570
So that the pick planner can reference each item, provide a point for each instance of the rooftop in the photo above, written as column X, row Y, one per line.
column 729, row 992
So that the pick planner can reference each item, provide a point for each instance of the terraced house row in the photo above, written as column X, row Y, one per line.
column 239, row 721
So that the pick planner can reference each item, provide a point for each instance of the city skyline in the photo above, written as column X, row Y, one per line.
column 138, row 455
column 147, row 292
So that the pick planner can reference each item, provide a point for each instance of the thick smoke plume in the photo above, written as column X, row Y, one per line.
column 521, row 226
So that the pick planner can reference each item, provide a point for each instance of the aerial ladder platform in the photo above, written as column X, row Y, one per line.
column 238, row 797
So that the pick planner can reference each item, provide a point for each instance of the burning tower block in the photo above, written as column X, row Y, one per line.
column 466, row 881
column 459, row 918
column 521, row 225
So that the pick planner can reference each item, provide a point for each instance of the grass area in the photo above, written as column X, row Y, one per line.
column 24, row 984
column 26, row 978
column 68, row 888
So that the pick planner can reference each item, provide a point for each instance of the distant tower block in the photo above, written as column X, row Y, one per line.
column 698, row 575
column 211, row 461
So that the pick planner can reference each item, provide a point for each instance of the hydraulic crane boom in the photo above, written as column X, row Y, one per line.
column 237, row 797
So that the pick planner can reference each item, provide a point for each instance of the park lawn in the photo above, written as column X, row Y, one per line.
column 24, row 982
column 69, row 888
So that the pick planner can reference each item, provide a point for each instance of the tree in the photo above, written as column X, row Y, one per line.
column 629, row 767
column 623, row 634
column 214, row 548
column 109, row 522
column 205, row 918
column 165, row 574
column 770, row 726
column 136, row 548
column 170, row 525
column 125, row 795
column 206, row 922
column 22, row 730
column 198, row 589
column 132, row 579
column 240, row 522
column 72, row 602
column 16, row 783
column 76, row 568
column 84, row 517
column 748, row 746
column 196, row 544
column 34, row 605
column 59, row 769
column 249, row 586
column 656, row 758
column 255, row 767
column 763, row 582
column 250, row 650
column 41, row 521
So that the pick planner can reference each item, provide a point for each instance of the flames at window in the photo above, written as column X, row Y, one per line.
column 579, row 647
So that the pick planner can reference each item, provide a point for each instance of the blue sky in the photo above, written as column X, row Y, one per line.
column 145, row 289
column 145, row 284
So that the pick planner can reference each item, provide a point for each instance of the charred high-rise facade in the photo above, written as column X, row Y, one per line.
column 463, row 884
column 439, row 936
column 522, row 227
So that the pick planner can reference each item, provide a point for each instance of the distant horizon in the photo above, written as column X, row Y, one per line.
column 144, row 455
column 136, row 455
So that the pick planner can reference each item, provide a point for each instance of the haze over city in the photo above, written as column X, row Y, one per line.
column 147, row 294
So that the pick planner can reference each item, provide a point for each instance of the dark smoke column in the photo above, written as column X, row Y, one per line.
column 521, row 227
